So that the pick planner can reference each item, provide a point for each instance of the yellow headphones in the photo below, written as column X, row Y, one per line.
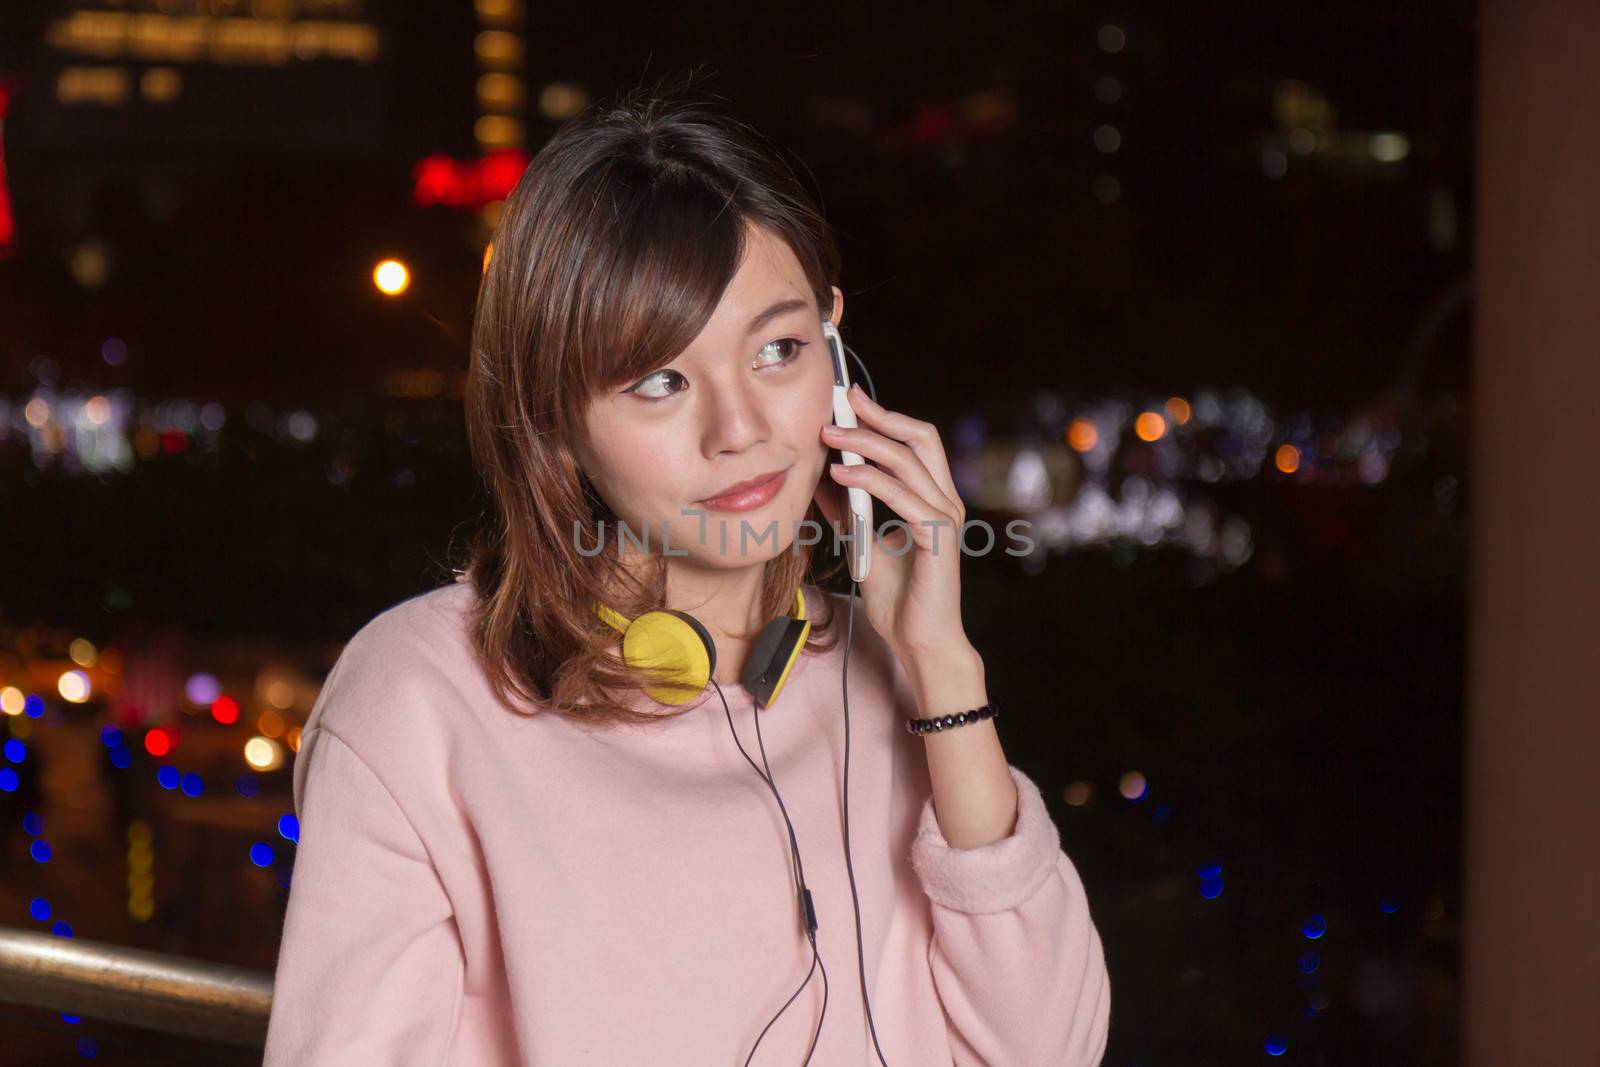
column 675, row 643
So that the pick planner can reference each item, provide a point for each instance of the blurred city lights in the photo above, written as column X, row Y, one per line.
column 202, row 689
column 391, row 277
column 1149, row 426
column 1389, row 147
column 1082, row 435
column 157, row 742
column 263, row 754
column 225, row 710
column 280, row 694
column 562, row 100
column 73, row 686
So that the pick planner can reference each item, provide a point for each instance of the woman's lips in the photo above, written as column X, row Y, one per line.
column 748, row 499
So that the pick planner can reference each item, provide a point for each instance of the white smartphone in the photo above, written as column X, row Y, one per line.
column 859, row 547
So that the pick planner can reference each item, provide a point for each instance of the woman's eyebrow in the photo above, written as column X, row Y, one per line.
column 782, row 307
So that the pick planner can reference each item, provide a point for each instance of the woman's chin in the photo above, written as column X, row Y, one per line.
column 738, row 545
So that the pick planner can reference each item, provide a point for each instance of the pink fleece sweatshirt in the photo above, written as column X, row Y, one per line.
column 478, row 887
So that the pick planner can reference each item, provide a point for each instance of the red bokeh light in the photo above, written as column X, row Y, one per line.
column 225, row 710
column 156, row 742
column 467, row 184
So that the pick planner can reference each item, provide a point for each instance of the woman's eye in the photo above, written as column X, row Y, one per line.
column 794, row 351
column 658, row 386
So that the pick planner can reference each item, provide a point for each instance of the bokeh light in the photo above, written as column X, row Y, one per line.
column 263, row 754
column 73, row 686
column 225, row 710
column 391, row 277
column 157, row 742
column 202, row 689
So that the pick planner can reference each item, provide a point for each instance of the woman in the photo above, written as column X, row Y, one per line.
column 525, row 842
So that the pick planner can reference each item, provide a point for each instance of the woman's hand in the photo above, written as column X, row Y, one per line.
column 912, row 595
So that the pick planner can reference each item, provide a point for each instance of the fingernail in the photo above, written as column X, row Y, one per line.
column 837, row 468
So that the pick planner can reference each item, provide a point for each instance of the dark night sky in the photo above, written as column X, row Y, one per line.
column 241, row 248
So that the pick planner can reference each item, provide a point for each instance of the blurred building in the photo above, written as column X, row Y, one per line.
column 173, row 165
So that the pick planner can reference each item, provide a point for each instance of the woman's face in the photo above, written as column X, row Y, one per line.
column 747, row 398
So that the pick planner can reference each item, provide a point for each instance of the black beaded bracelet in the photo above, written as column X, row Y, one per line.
column 945, row 722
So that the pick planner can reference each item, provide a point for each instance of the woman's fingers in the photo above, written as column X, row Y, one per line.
column 896, row 458
column 932, row 527
column 922, row 437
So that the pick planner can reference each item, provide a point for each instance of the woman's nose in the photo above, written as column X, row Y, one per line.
column 735, row 418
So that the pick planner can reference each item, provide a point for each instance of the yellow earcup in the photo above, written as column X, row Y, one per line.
column 671, row 643
column 676, row 646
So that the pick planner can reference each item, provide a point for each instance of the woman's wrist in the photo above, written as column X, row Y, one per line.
column 946, row 683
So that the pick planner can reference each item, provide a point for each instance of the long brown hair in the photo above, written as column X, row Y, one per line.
column 608, row 259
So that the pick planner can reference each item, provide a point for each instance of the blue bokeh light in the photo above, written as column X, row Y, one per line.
column 70, row 1019
column 1211, row 888
column 34, row 705
column 1209, row 871
column 15, row 750
column 39, row 908
column 1389, row 905
column 60, row 928
column 121, row 758
column 1315, row 927
column 9, row 780
column 1277, row 1046
column 110, row 736
column 40, row 850
column 1308, row 961
column 261, row 854
column 167, row 776
column 289, row 827
column 88, row 1048
column 32, row 824
column 192, row 785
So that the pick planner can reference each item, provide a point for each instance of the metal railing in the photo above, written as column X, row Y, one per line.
column 169, row 994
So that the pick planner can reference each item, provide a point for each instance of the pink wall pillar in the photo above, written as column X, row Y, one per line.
column 1531, row 961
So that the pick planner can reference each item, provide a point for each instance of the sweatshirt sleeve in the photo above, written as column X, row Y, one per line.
column 370, row 966
column 1016, row 959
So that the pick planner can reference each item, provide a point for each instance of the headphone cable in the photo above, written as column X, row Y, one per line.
column 808, row 911
column 855, row 900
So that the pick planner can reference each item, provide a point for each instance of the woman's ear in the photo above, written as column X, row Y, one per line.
column 837, row 315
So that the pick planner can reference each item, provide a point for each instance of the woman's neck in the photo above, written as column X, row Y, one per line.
column 727, row 603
